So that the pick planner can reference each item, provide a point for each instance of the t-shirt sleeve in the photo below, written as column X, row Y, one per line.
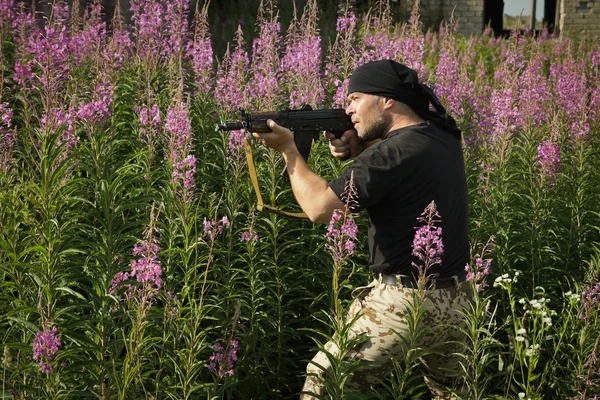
column 374, row 173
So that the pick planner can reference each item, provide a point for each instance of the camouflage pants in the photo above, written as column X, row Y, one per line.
column 383, row 317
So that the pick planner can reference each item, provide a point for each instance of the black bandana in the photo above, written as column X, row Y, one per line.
column 390, row 79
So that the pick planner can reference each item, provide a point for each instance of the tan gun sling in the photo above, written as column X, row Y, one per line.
column 260, row 206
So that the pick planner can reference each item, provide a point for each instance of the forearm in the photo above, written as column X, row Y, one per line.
column 312, row 192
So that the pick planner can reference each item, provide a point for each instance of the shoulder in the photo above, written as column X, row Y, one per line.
column 384, row 153
column 395, row 146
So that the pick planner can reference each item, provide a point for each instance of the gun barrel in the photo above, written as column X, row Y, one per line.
column 231, row 126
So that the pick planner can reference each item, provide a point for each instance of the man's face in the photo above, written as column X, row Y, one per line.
column 368, row 116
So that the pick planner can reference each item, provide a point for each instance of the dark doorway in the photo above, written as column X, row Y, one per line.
column 550, row 15
column 493, row 12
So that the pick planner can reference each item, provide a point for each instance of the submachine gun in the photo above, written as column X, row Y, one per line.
column 306, row 124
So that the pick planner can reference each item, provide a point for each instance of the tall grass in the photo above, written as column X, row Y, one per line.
column 133, row 264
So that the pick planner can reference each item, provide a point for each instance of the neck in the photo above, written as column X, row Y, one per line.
column 404, row 120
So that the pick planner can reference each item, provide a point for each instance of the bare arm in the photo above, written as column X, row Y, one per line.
column 311, row 191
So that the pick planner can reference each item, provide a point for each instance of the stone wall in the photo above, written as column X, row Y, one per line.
column 573, row 17
column 577, row 17
column 468, row 14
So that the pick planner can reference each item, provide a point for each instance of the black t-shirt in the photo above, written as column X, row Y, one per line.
column 395, row 180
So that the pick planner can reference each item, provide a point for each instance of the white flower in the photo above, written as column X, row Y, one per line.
column 529, row 352
column 498, row 279
column 520, row 339
column 505, row 276
column 521, row 331
column 568, row 294
column 547, row 320
column 536, row 305
column 517, row 273
column 522, row 301
column 521, row 395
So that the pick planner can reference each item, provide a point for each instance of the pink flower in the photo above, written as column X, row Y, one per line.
column 84, row 44
column 342, row 230
column 264, row 87
column 45, row 346
column 176, row 17
column 222, row 360
column 590, row 300
column 248, row 236
column 179, row 130
column 215, row 227
column 547, row 161
column 479, row 272
column 427, row 243
column 225, row 222
column 300, row 66
column 145, row 268
column 147, row 16
column 231, row 79
column 199, row 49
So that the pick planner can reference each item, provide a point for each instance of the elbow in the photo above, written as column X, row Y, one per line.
column 319, row 206
column 319, row 217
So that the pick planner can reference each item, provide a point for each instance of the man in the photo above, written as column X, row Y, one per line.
column 405, row 156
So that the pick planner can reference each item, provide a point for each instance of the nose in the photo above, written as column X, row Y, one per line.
column 349, row 109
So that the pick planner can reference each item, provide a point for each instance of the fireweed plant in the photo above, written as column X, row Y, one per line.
column 341, row 239
column 107, row 134
column 480, row 347
column 405, row 382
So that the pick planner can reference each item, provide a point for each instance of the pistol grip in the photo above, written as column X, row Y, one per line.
column 303, row 140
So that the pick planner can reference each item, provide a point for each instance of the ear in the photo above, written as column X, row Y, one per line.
column 388, row 103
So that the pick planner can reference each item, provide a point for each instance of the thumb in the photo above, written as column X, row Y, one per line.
column 270, row 123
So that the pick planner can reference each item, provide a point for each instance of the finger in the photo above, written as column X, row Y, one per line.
column 350, row 135
column 273, row 125
column 340, row 154
column 339, row 151
column 338, row 143
column 329, row 135
column 352, row 138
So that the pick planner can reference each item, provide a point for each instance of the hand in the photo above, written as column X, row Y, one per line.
column 280, row 138
column 346, row 146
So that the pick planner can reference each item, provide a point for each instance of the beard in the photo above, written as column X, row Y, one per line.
column 376, row 131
